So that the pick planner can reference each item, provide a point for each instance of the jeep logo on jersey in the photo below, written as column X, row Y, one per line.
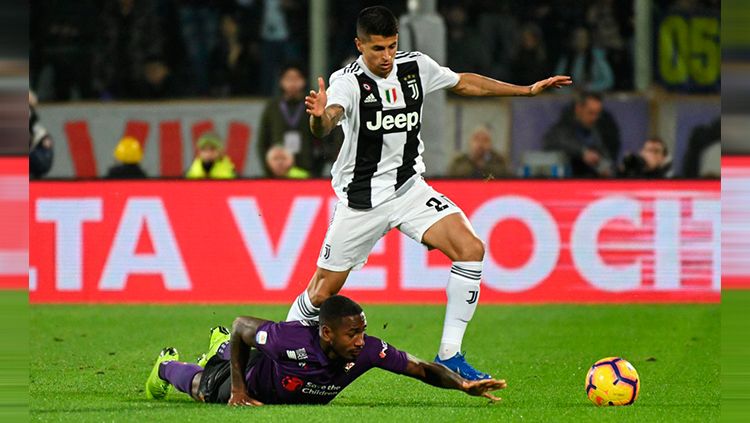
column 397, row 121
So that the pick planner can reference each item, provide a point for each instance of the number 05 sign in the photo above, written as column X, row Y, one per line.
column 688, row 52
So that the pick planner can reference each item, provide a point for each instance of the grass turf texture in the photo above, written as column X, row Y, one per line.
column 89, row 363
column 14, row 356
column 735, row 345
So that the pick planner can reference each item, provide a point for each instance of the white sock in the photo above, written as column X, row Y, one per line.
column 303, row 309
column 463, row 296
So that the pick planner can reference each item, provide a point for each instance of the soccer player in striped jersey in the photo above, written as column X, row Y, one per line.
column 377, row 177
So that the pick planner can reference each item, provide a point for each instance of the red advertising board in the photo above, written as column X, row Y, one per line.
column 258, row 241
column 735, row 222
column 14, row 212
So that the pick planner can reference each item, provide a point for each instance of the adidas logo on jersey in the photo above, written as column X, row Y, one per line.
column 371, row 98
column 398, row 121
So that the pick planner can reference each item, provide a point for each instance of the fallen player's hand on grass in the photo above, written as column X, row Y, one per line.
column 241, row 398
column 482, row 388
column 558, row 81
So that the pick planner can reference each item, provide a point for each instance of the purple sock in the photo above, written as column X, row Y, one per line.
column 179, row 374
column 223, row 351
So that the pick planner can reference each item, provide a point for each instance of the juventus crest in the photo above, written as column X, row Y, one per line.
column 414, row 88
column 413, row 85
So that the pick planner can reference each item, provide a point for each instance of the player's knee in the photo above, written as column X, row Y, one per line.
column 195, row 387
column 471, row 250
column 318, row 295
column 237, row 324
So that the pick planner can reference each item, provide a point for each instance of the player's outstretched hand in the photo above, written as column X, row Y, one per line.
column 557, row 81
column 315, row 102
column 241, row 398
column 482, row 388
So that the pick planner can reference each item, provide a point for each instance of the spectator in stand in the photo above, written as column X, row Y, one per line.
column 283, row 27
column 130, row 36
column 530, row 62
column 481, row 161
column 580, row 139
column 231, row 68
column 701, row 138
column 60, row 60
column 651, row 162
column 210, row 161
column 199, row 22
column 128, row 154
column 609, row 22
column 607, row 126
column 284, row 122
column 40, row 143
column 498, row 31
column 158, row 80
column 280, row 163
column 556, row 17
column 174, row 51
column 465, row 48
column 586, row 64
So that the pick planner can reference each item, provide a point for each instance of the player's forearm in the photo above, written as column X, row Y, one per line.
column 436, row 375
column 244, row 330
column 320, row 126
column 472, row 84
column 239, row 356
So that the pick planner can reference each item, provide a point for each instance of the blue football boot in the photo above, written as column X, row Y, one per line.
column 458, row 364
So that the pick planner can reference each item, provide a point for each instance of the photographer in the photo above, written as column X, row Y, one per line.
column 652, row 162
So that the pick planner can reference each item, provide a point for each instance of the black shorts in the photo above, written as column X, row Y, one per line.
column 216, row 381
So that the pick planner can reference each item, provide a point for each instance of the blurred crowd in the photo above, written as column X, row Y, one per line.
column 583, row 143
column 156, row 49
column 149, row 49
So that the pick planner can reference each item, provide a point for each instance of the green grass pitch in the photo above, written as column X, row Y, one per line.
column 89, row 363
column 735, row 346
column 14, row 356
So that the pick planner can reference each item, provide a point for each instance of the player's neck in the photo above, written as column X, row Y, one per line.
column 328, row 350
column 377, row 72
column 380, row 75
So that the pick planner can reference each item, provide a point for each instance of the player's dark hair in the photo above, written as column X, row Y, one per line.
column 335, row 308
column 583, row 96
column 376, row 20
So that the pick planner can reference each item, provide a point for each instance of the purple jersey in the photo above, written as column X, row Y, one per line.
column 293, row 368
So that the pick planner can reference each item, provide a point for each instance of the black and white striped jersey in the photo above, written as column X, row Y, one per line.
column 382, row 149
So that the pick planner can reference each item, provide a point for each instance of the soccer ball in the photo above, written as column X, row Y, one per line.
column 612, row 381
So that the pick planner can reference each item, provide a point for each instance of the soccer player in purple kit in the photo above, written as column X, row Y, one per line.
column 298, row 362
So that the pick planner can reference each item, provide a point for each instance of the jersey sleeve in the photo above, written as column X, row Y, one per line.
column 342, row 91
column 436, row 77
column 385, row 355
column 270, row 340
